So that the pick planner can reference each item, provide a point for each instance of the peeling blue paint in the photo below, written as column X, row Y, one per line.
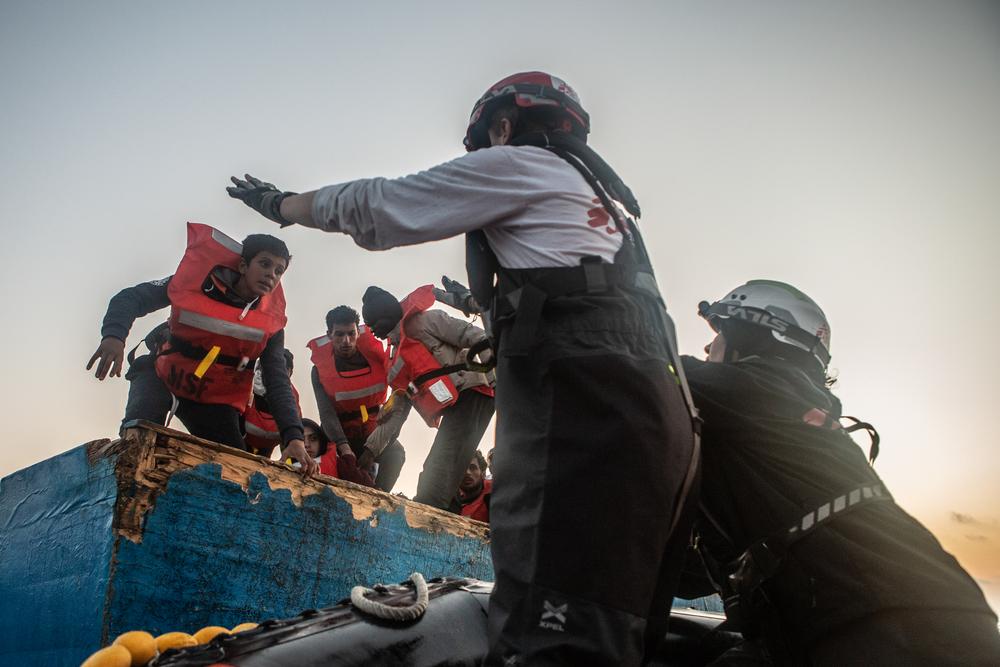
column 213, row 553
column 56, row 546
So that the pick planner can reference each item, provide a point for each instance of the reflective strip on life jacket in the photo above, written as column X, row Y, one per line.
column 359, row 393
column 221, row 327
column 397, row 366
column 229, row 244
column 253, row 429
column 322, row 340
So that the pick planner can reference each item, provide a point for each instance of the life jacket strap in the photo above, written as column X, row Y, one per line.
column 473, row 366
column 357, row 414
column 191, row 351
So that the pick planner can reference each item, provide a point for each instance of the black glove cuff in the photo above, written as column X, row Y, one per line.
column 274, row 208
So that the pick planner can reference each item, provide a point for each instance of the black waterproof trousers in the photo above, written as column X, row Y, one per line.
column 594, row 443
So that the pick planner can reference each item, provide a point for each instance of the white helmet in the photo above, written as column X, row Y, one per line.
column 793, row 318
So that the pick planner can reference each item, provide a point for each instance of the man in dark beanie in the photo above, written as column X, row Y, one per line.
column 424, row 346
column 380, row 310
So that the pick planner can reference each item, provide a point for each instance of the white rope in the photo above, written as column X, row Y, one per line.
column 388, row 612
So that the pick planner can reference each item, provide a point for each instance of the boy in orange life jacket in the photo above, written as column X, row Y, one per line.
column 260, row 430
column 459, row 404
column 227, row 309
column 474, row 491
column 348, row 378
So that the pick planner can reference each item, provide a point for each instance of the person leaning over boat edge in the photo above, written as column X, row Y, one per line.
column 428, row 350
column 814, row 559
column 349, row 382
column 586, row 365
column 227, row 296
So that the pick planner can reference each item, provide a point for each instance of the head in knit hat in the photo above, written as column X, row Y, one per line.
column 381, row 311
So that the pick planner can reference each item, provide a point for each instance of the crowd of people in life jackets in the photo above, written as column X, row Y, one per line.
column 736, row 474
column 218, row 374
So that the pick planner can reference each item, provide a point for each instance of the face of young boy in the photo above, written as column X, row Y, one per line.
column 263, row 273
column 312, row 442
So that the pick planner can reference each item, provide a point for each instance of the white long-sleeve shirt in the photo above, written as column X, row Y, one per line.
column 535, row 209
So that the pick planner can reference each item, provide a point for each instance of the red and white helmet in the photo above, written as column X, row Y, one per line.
column 529, row 89
column 791, row 316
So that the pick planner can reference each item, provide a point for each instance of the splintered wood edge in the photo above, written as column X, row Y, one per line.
column 148, row 454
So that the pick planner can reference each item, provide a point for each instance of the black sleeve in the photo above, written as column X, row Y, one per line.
column 132, row 303
column 280, row 399
column 328, row 419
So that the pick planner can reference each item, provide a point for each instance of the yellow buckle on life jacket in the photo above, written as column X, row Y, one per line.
column 207, row 362
column 364, row 414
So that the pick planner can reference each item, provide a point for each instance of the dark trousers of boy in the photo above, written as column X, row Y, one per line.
column 150, row 400
column 462, row 427
column 594, row 443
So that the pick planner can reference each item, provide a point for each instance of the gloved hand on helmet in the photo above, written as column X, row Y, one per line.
column 261, row 197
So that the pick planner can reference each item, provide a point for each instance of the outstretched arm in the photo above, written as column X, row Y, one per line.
column 470, row 192
column 123, row 310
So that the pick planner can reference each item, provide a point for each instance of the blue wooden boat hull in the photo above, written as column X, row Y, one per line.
column 161, row 531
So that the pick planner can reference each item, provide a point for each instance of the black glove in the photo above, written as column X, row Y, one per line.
column 261, row 197
column 462, row 299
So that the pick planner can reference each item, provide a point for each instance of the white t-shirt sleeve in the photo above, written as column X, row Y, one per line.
column 535, row 208
column 470, row 192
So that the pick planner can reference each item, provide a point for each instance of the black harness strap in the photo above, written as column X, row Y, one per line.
column 763, row 558
column 186, row 349
column 468, row 365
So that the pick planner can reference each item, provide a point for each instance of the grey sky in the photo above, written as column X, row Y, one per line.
column 850, row 148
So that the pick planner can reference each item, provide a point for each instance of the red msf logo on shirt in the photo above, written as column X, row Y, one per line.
column 598, row 217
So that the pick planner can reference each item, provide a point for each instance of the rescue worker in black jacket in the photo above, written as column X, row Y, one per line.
column 585, row 554
column 811, row 555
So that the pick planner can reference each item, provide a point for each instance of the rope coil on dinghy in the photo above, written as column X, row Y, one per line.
column 389, row 612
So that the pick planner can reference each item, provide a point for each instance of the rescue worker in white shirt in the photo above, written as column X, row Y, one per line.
column 348, row 379
column 427, row 355
column 587, row 369
column 814, row 559
column 260, row 429
column 227, row 309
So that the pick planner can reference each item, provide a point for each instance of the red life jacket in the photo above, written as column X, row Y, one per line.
column 411, row 359
column 478, row 509
column 201, row 323
column 262, row 431
column 350, row 391
column 328, row 462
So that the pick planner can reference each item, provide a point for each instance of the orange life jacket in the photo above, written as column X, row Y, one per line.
column 356, row 395
column 411, row 359
column 262, row 433
column 199, row 324
column 478, row 509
